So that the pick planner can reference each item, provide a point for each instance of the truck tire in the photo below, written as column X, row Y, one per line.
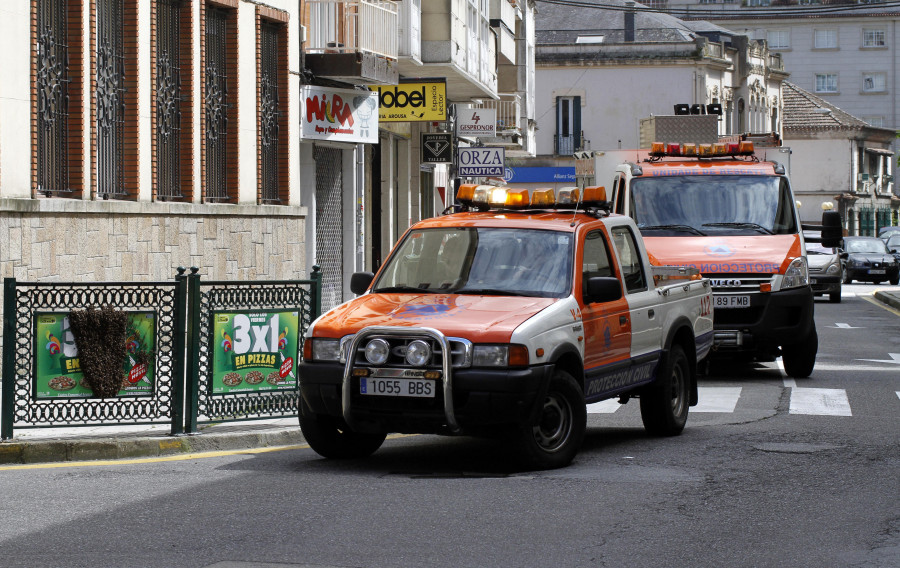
column 554, row 439
column 664, row 404
column 835, row 297
column 799, row 359
column 329, row 437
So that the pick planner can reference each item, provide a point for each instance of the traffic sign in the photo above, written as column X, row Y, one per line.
column 482, row 161
column 437, row 147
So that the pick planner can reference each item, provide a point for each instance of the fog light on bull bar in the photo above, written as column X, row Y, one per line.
column 360, row 372
column 432, row 375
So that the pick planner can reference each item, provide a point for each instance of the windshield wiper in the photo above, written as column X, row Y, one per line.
column 488, row 292
column 682, row 228
column 402, row 289
column 741, row 225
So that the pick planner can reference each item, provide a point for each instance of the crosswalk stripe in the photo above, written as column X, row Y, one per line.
column 717, row 399
column 820, row 402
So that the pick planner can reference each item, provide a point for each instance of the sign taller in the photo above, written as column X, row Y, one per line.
column 476, row 122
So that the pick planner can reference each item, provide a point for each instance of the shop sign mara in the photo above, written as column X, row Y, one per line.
column 339, row 115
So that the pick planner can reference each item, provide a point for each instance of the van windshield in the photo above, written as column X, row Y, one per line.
column 466, row 260
column 713, row 205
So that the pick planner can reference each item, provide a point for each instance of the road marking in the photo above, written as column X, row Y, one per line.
column 604, row 406
column 844, row 326
column 790, row 383
column 871, row 299
column 820, row 402
column 894, row 358
column 717, row 399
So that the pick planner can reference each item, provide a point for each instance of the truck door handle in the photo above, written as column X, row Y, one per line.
column 623, row 320
column 651, row 313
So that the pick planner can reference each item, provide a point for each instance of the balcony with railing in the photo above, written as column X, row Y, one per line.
column 510, row 122
column 356, row 41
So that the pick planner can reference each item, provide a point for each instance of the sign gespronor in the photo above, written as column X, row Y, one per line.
column 476, row 122
column 413, row 101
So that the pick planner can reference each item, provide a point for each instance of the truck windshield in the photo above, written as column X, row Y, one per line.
column 713, row 205
column 495, row 261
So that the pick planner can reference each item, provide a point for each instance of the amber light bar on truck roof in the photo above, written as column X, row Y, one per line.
column 486, row 197
column 690, row 150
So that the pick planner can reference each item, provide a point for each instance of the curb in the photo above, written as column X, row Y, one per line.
column 888, row 298
column 131, row 447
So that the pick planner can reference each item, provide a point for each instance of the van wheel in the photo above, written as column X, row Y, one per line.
column 664, row 404
column 895, row 280
column 834, row 297
column 329, row 437
column 846, row 279
column 555, row 437
column 800, row 358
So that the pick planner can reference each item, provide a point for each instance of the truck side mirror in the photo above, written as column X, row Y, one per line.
column 603, row 289
column 360, row 281
column 832, row 229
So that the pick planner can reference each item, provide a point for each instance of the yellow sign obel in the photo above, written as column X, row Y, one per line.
column 424, row 101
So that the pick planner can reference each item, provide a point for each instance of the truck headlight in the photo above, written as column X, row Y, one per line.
column 377, row 351
column 418, row 353
column 325, row 349
column 512, row 355
column 797, row 274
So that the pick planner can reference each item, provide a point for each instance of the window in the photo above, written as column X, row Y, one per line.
column 779, row 39
column 219, row 97
column 873, row 38
column 114, row 86
column 826, row 82
column 629, row 259
column 171, row 82
column 874, row 82
column 272, row 92
column 57, row 98
column 568, row 125
column 877, row 121
column 825, row 39
column 596, row 258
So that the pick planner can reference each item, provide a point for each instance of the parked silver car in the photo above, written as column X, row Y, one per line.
column 824, row 270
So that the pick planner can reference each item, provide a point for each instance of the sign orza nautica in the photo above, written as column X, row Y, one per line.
column 482, row 161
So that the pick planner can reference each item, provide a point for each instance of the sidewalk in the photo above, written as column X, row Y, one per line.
column 46, row 445
column 83, row 443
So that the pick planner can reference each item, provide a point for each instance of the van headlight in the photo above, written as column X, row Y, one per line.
column 511, row 355
column 834, row 268
column 797, row 274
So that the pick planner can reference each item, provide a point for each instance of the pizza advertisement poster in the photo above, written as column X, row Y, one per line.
column 57, row 368
column 254, row 351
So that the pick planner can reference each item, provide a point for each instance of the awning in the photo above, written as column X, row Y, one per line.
column 880, row 151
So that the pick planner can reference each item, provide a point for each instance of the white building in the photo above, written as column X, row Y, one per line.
column 846, row 53
column 601, row 69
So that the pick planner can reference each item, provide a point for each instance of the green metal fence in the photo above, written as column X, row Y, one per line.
column 181, row 387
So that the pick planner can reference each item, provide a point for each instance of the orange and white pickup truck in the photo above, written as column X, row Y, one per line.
column 507, row 319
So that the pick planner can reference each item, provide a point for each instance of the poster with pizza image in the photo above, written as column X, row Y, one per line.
column 254, row 351
column 57, row 368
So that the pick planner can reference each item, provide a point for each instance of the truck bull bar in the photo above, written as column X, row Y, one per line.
column 447, row 367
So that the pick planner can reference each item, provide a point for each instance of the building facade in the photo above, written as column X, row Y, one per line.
column 602, row 69
column 844, row 52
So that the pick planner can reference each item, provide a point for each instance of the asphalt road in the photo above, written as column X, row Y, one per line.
column 769, row 472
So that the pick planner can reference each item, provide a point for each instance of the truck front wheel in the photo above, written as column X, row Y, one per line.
column 664, row 404
column 800, row 358
column 329, row 437
column 554, row 438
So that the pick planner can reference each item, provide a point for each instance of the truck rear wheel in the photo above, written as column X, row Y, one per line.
column 553, row 440
column 799, row 359
column 329, row 437
column 664, row 404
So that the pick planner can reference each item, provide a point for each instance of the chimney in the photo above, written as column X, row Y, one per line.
column 629, row 21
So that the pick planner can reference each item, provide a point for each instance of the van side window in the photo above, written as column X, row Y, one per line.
column 596, row 258
column 619, row 184
column 629, row 259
